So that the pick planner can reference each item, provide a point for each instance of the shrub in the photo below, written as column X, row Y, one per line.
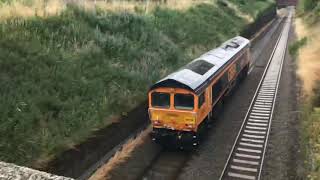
column 294, row 48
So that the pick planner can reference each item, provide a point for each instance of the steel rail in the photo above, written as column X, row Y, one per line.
column 86, row 174
column 247, row 155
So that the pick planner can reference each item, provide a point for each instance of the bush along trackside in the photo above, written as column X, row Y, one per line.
column 310, row 10
column 294, row 48
column 63, row 76
column 309, row 66
column 310, row 135
column 253, row 7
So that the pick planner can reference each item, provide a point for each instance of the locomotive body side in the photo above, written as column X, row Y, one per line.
column 180, row 114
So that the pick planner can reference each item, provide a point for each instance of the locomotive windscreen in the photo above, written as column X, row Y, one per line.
column 184, row 101
column 160, row 99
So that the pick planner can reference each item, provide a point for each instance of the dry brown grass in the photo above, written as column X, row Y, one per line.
column 309, row 55
column 103, row 173
column 146, row 6
column 53, row 7
column 239, row 13
column 184, row 4
column 38, row 7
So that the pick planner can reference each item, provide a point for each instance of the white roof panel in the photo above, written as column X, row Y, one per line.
column 218, row 57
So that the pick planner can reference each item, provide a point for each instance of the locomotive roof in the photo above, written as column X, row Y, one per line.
column 195, row 75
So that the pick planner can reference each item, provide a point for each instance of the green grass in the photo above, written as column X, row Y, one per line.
column 252, row 7
column 310, row 10
column 310, row 135
column 63, row 76
column 294, row 47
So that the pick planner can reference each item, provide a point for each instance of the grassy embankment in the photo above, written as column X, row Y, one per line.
column 307, row 51
column 29, row 8
column 251, row 7
column 65, row 75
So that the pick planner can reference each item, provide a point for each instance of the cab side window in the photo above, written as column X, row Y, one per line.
column 219, row 86
column 201, row 100
column 216, row 90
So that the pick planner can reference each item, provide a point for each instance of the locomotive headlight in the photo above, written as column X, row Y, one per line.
column 190, row 120
column 153, row 115
column 157, row 122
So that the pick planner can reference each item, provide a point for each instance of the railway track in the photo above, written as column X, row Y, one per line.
column 246, row 158
column 166, row 166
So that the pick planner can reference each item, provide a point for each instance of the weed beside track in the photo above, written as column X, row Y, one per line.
column 307, row 27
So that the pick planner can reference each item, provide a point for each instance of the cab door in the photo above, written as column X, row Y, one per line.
column 202, row 106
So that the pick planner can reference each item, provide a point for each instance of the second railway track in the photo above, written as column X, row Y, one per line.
column 246, row 158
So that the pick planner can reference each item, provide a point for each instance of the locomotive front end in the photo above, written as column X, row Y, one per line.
column 173, row 116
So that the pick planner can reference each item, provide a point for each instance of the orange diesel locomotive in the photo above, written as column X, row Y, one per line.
column 182, row 104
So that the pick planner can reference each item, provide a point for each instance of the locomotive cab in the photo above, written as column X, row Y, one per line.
column 173, row 109
column 172, row 112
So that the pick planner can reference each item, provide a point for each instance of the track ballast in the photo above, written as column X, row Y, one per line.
column 246, row 158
